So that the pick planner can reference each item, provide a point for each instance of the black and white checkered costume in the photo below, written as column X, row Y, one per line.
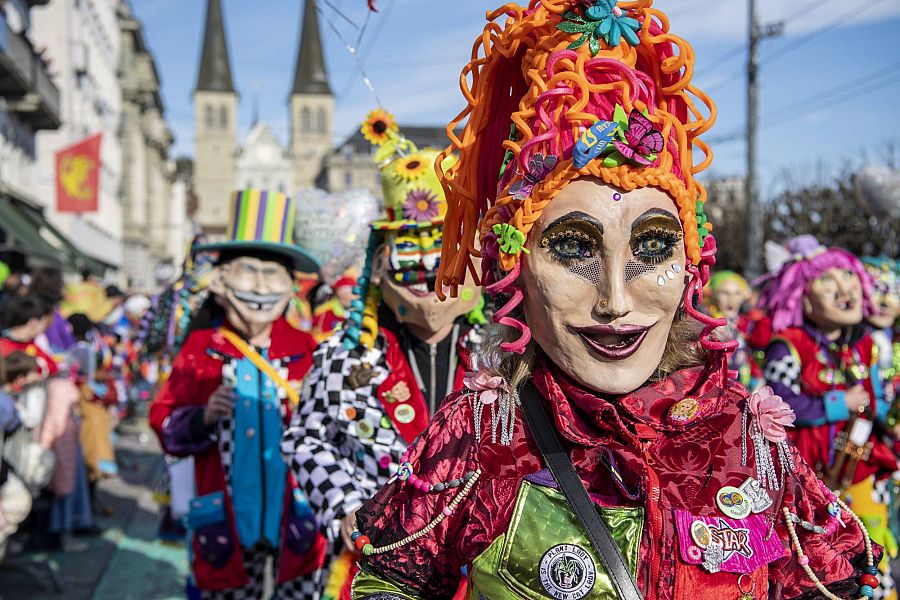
column 785, row 371
column 255, row 564
column 337, row 468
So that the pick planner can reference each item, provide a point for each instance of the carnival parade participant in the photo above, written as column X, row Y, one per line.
column 228, row 399
column 729, row 293
column 375, row 383
column 821, row 361
column 595, row 244
column 330, row 314
column 885, row 275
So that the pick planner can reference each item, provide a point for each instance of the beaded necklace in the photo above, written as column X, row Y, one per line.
column 868, row 581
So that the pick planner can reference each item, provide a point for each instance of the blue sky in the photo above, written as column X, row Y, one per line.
column 413, row 51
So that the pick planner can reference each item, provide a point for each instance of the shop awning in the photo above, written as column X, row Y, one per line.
column 20, row 235
column 25, row 230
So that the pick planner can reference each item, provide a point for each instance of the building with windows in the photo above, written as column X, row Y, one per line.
column 29, row 103
column 311, row 158
column 220, row 165
column 81, row 42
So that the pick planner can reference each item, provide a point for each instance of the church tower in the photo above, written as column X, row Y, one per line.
column 215, row 126
column 311, row 104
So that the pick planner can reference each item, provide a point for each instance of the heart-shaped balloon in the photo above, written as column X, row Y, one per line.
column 334, row 228
column 880, row 188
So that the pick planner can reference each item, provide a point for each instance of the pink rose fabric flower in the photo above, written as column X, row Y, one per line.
column 486, row 385
column 772, row 414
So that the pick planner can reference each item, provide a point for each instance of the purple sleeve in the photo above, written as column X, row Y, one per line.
column 183, row 432
column 59, row 334
column 782, row 373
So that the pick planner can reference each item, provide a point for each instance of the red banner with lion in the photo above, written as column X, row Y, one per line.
column 78, row 176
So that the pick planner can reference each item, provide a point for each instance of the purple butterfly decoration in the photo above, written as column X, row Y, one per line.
column 539, row 167
column 641, row 139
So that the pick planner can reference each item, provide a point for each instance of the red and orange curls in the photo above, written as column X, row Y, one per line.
column 528, row 73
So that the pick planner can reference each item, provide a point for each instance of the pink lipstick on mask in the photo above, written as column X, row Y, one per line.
column 613, row 342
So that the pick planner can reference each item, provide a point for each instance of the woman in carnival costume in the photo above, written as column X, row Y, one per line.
column 729, row 292
column 594, row 244
column 822, row 362
column 376, row 382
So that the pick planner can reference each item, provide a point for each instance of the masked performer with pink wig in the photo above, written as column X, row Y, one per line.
column 825, row 365
column 603, row 451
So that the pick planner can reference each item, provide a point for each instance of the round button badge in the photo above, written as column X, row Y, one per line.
column 733, row 502
column 701, row 534
column 365, row 429
column 405, row 414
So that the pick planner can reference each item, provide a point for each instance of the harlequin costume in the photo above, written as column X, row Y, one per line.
column 247, row 505
column 812, row 373
column 374, row 385
column 669, row 462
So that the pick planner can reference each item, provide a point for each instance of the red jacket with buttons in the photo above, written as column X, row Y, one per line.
column 196, row 373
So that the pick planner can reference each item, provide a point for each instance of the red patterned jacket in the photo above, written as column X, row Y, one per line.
column 664, row 465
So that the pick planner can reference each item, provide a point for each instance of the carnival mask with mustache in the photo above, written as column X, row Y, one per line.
column 254, row 292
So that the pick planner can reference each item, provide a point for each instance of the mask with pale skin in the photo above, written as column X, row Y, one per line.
column 887, row 308
column 408, row 272
column 606, row 327
column 253, row 292
column 834, row 299
column 729, row 296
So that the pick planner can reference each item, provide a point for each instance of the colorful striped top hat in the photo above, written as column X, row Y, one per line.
column 263, row 221
column 413, row 195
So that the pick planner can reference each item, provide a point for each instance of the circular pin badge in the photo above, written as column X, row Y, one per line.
column 700, row 533
column 405, row 414
column 733, row 502
column 365, row 429
column 684, row 411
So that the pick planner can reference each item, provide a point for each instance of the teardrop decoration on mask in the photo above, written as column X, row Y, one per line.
column 634, row 270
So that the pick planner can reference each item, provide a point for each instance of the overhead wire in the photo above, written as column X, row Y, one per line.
column 352, row 49
column 738, row 50
column 834, row 24
column 362, row 54
column 832, row 96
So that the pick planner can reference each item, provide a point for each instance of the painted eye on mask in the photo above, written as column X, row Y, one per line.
column 653, row 246
column 570, row 246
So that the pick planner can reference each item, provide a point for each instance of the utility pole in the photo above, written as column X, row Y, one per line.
column 751, row 192
column 756, row 33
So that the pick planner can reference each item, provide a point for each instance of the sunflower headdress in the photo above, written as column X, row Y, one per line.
column 413, row 199
column 562, row 89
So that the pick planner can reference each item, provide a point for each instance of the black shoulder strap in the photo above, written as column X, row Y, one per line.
column 564, row 472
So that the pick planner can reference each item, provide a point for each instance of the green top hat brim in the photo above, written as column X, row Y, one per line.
column 406, row 224
column 302, row 261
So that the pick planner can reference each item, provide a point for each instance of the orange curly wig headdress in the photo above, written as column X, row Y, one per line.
column 534, row 85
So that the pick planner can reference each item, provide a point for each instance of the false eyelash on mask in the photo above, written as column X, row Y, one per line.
column 550, row 243
column 655, row 257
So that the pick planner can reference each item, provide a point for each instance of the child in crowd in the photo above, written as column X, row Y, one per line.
column 16, row 371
